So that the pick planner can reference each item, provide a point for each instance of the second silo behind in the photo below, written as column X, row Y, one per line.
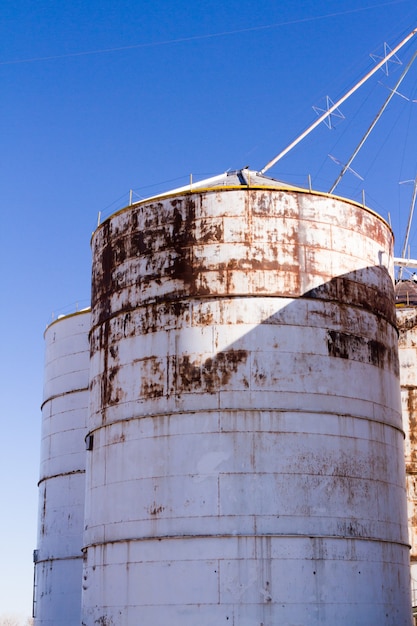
column 58, row 557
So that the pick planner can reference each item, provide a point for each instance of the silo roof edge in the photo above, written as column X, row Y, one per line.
column 61, row 318
column 240, row 180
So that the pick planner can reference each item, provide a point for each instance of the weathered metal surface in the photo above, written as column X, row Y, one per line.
column 248, row 460
column 254, row 243
column 58, row 567
column 406, row 293
column 407, row 326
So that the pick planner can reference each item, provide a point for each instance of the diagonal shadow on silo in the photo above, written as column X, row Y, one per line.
column 290, row 428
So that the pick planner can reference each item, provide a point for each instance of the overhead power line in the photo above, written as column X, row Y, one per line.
column 153, row 44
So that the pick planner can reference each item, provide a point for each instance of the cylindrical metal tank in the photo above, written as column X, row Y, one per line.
column 407, row 326
column 247, row 461
column 58, row 558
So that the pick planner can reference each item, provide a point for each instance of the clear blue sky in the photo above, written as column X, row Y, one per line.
column 103, row 96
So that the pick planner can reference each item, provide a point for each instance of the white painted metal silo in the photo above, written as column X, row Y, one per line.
column 58, row 558
column 406, row 292
column 247, row 461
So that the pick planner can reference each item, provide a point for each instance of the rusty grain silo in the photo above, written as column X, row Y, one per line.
column 246, row 460
column 58, row 558
column 406, row 298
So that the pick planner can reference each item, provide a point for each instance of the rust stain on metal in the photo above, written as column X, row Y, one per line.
column 100, row 341
column 411, row 468
column 118, row 438
column 150, row 318
column 102, row 273
column 106, row 389
column 349, row 346
column 353, row 528
column 156, row 509
column 354, row 289
column 103, row 620
column 43, row 514
column 181, row 239
column 213, row 374
column 139, row 244
column 153, row 378
column 210, row 231
column 405, row 324
column 412, row 417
